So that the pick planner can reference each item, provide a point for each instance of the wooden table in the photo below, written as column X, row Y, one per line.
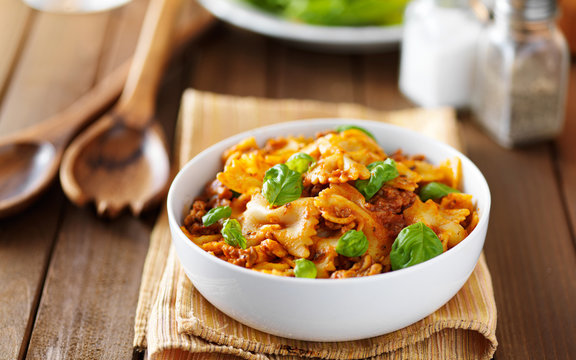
column 69, row 280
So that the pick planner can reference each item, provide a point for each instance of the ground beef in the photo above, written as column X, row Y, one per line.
column 193, row 221
column 400, row 156
column 313, row 190
column 218, row 194
column 387, row 207
column 365, row 267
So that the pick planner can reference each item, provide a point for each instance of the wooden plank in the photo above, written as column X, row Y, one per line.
column 90, row 294
column 91, row 290
column 45, row 80
column 57, row 65
column 100, row 303
column 231, row 62
column 566, row 153
column 122, row 35
column 15, row 18
column 301, row 74
column 529, row 250
column 379, row 76
column 25, row 245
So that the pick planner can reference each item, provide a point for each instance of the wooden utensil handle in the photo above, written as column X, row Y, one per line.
column 63, row 125
column 137, row 101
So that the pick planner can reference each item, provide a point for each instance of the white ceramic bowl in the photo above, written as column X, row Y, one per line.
column 325, row 309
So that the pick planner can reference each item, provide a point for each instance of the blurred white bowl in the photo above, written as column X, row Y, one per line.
column 326, row 309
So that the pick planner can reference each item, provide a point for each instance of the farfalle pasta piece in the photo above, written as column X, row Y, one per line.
column 244, row 174
column 250, row 257
column 342, row 157
column 245, row 146
column 245, row 164
column 293, row 225
column 202, row 239
column 445, row 222
column 406, row 180
column 343, row 204
column 356, row 144
column 325, row 256
column 365, row 267
column 336, row 168
column 448, row 172
column 278, row 150
column 278, row 269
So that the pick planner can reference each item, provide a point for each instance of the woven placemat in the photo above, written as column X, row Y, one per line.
column 175, row 322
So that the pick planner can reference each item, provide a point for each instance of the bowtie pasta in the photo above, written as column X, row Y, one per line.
column 334, row 206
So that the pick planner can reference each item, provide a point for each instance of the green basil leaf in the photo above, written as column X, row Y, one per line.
column 215, row 214
column 348, row 127
column 353, row 243
column 281, row 185
column 235, row 194
column 300, row 162
column 305, row 269
column 435, row 190
column 380, row 172
column 415, row 244
column 232, row 233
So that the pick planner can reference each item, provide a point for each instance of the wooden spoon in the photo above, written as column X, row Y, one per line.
column 121, row 160
column 29, row 160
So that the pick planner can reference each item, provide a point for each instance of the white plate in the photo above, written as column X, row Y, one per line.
column 328, row 38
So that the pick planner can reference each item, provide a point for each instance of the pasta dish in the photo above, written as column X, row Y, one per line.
column 332, row 206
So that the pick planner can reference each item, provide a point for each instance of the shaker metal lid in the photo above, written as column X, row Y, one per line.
column 527, row 10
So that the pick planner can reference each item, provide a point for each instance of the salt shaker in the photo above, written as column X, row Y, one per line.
column 438, row 52
column 522, row 73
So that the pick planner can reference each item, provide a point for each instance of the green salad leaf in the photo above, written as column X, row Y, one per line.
column 353, row 243
column 281, row 185
column 415, row 244
column 380, row 172
column 337, row 12
column 435, row 190
column 215, row 214
column 274, row 6
column 300, row 162
column 348, row 127
column 305, row 269
column 232, row 233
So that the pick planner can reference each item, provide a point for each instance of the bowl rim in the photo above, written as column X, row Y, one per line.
column 483, row 221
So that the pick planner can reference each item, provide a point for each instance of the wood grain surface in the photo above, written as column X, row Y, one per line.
column 69, row 280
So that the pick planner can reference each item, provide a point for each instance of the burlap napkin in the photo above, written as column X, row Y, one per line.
column 173, row 321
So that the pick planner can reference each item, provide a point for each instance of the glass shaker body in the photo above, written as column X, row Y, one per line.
column 521, row 81
column 438, row 52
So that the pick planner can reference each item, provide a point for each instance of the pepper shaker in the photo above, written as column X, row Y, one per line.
column 522, row 73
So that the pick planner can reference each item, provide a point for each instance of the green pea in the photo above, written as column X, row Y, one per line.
column 300, row 162
column 305, row 269
column 232, row 233
column 353, row 243
column 215, row 214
